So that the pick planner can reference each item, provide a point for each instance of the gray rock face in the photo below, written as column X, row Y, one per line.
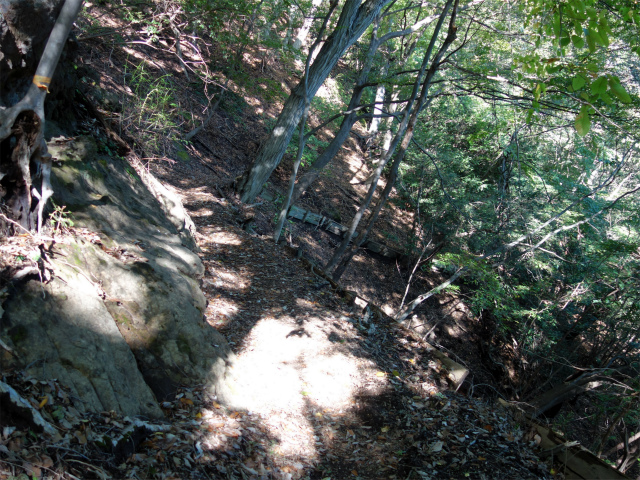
column 71, row 336
column 126, row 288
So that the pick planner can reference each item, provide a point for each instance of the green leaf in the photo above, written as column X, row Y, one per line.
column 578, row 42
column 599, row 86
column 619, row 92
column 578, row 82
column 606, row 98
column 565, row 41
column 583, row 121
column 529, row 116
column 557, row 25
column 603, row 36
column 591, row 41
column 604, row 25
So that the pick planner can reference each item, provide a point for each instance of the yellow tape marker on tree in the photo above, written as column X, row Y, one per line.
column 42, row 82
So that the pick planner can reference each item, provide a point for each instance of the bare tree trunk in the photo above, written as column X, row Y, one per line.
column 404, row 135
column 378, row 109
column 348, row 255
column 388, row 134
column 352, row 117
column 354, row 19
column 345, row 127
column 24, row 124
column 301, row 143
column 306, row 25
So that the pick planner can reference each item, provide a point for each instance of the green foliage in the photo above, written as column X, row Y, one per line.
column 153, row 107
column 573, row 53
column 311, row 150
column 60, row 218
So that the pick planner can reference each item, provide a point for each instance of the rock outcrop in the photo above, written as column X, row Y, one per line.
column 121, row 319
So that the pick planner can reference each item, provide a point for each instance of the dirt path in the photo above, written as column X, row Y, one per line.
column 334, row 391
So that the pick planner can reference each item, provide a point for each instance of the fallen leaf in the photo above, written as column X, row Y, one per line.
column 32, row 470
column 380, row 374
column 384, row 429
column 44, row 401
column 186, row 401
column 436, row 446
column 81, row 437
column 137, row 458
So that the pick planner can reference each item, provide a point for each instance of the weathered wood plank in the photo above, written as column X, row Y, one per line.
column 581, row 463
column 338, row 229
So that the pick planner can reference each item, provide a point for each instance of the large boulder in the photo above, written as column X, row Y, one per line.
column 63, row 330
column 126, row 285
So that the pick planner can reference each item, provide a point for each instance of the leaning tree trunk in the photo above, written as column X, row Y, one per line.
column 345, row 127
column 408, row 122
column 352, row 110
column 354, row 19
column 303, row 33
column 22, row 133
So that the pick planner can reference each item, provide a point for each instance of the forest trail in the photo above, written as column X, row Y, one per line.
column 320, row 388
column 337, row 391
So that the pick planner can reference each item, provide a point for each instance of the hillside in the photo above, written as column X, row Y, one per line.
column 175, row 339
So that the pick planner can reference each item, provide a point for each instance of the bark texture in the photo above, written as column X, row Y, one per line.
column 23, row 151
column 24, row 29
column 354, row 19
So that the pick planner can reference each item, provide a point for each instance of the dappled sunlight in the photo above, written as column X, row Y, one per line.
column 296, row 367
column 330, row 381
column 220, row 311
column 330, row 91
column 225, row 238
column 202, row 212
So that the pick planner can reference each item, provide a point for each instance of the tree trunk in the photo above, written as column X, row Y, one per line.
column 349, row 120
column 391, row 108
column 24, row 28
column 354, row 19
column 22, row 127
column 348, row 255
column 303, row 33
column 345, row 127
column 378, row 109
column 406, row 127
